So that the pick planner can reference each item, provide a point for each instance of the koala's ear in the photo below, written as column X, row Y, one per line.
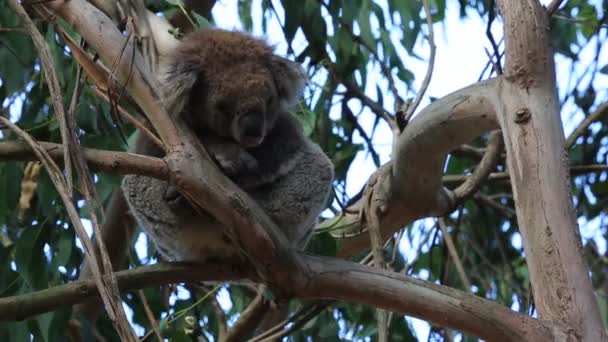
column 178, row 80
column 289, row 78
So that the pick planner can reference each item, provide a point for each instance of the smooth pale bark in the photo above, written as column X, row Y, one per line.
column 328, row 278
column 411, row 186
column 538, row 164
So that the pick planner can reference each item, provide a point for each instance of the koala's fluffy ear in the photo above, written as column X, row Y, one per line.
column 178, row 79
column 289, row 78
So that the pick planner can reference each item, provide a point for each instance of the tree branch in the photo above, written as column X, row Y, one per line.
column 120, row 163
column 533, row 133
column 329, row 278
column 601, row 110
column 412, row 187
column 198, row 178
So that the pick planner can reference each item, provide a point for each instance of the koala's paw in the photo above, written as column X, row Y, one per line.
column 237, row 163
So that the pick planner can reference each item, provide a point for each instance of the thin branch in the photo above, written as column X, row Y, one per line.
column 386, row 72
column 454, row 254
column 601, row 110
column 46, row 61
column 506, row 211
column 582, row 21
column 296, row 316
column 120, row 163
column 297, row 324
column 452, row 180
column 482, row 171
column 554, row 6
column 250, row 318
column 150, row 315
column 132, row 119
column 491, row 17
column 354, row 89
column 429, row 70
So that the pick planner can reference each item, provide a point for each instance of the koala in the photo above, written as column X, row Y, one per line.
column 234, row 93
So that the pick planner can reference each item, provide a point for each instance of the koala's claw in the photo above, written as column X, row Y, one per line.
column 245, row 163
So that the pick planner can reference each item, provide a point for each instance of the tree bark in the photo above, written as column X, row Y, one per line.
column 538, row 165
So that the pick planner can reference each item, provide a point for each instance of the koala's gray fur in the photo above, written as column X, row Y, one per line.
column 234, row 92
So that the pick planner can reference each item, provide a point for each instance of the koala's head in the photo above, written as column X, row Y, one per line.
column 229, row 83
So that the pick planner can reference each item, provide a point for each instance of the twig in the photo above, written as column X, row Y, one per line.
column 506, row 211
column 385, row 71
column 354, row 89
column 150, row 315
column 491, row 17
column 482, row 171
column 13, row 29
column 582, row 127
column 181, row 313
column 250, row 318
column 429, row 70
column 454, row 254
column 297, row 324
column 553, row 6
column 451, row 180
column 132, row 119
column 578, row 21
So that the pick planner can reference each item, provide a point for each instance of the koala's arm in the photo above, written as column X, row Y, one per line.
column 295, row 200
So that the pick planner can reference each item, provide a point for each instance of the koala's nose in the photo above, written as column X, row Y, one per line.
column 251, row 127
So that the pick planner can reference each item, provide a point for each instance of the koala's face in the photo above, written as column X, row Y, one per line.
column 241, row 103
column 230, row 83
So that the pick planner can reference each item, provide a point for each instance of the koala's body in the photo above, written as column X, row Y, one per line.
column 234, row 93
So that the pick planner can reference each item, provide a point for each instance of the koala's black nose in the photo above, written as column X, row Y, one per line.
column 251, row 129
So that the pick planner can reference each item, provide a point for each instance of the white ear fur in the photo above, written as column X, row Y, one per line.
column 289, row 78
column 177, row 79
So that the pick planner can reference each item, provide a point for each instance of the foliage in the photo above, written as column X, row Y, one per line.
column 353, row 52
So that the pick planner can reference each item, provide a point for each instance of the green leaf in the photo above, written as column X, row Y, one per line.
column 244, row 9
column 322, row 244
column 52, row 325
column 201, row 21
column 29, row 257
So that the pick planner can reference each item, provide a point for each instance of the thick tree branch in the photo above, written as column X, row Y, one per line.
column 198, row 178
column 534, row 140
column 412, row 187
column 329, row 278
column 27, row 305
